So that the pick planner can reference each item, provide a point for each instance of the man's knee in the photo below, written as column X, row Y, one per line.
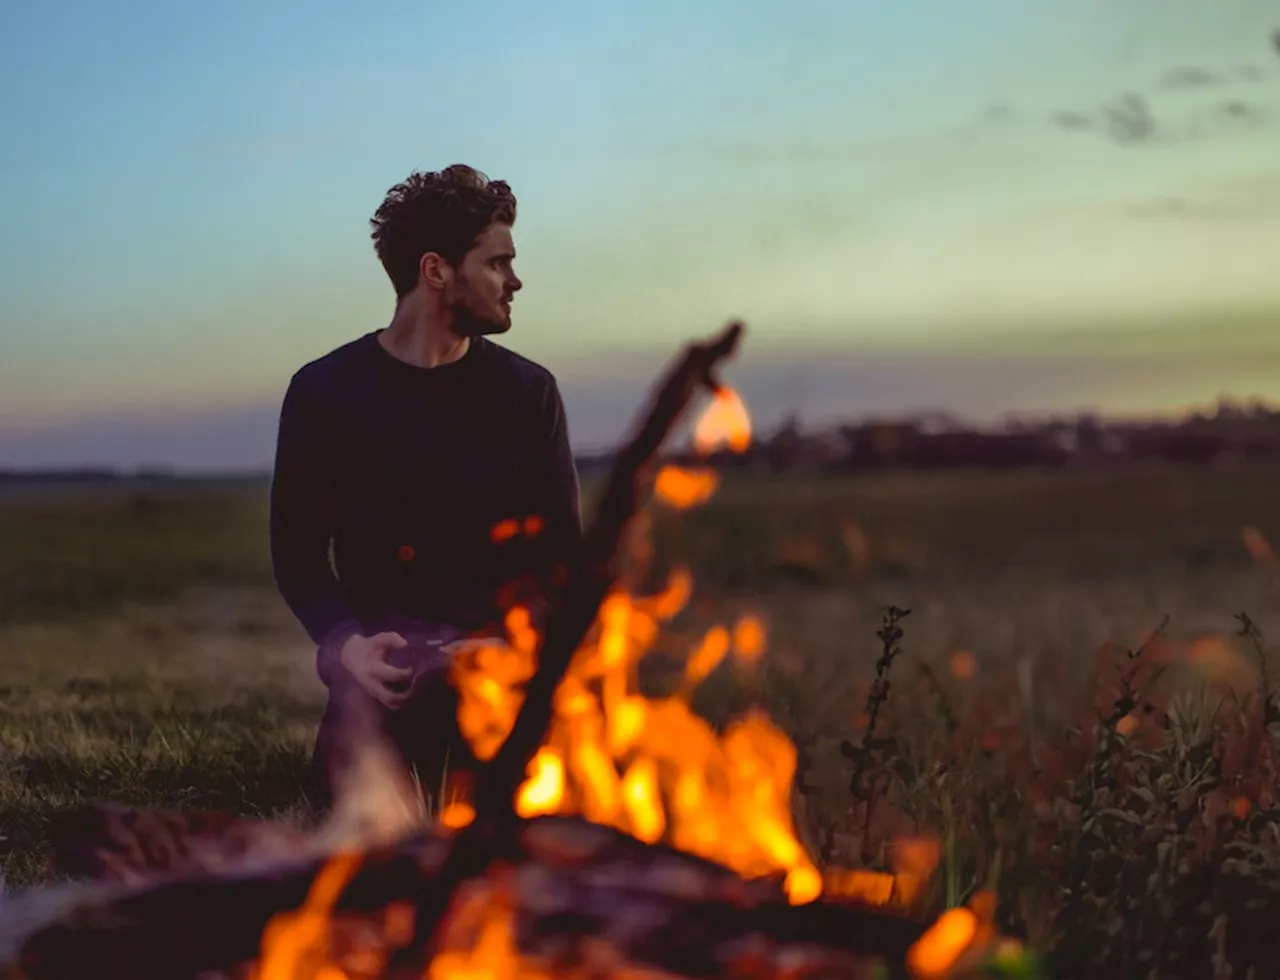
column 350, row 719
column 424, row 733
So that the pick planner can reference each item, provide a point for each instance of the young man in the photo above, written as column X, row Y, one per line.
column 403, row 450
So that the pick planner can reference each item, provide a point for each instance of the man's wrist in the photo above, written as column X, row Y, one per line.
column 329, row 655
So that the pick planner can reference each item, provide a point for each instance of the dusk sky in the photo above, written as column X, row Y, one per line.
column 976, row 206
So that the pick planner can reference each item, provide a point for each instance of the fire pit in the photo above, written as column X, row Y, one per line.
column 608, row 834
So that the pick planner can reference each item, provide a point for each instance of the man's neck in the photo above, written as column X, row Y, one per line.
column 421, row 341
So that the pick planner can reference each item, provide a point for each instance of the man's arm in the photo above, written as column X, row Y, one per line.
column 300, row 527
column 559, row 493
column 565, row 489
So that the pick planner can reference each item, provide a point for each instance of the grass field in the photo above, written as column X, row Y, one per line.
column 145, row 658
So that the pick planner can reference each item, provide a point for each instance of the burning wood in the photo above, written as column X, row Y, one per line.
column 573, row 896
column 609, row 833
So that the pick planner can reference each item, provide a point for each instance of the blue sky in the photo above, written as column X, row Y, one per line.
column 1087, row 190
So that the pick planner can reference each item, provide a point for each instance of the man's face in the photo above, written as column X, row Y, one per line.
column 484, row 284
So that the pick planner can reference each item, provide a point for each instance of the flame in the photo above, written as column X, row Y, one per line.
column 748, row 640
column 650, row 767
column 913, row 861
column 935, row 953
column 480, row 941
column 684, row 488
column 544, row 789
column 724, row 422
column 457, row 814
column 295, row 944
column 959, row 938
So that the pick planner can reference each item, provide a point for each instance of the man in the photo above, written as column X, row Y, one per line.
column 403, row 450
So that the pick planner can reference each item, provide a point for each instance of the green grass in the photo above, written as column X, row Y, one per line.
column 73, row 552
column 145, row 658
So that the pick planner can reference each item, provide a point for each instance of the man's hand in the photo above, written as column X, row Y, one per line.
column 470, row 644
column 365, row 657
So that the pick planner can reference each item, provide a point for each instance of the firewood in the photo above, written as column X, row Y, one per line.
column 580, row 892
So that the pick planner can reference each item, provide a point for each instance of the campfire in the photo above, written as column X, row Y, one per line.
column 608, row 833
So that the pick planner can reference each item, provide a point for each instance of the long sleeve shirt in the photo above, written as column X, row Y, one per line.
column 397, row 489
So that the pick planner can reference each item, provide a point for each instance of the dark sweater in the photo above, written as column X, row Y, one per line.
column 408, row 471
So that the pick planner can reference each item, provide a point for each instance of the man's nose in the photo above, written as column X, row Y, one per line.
column 515, row 284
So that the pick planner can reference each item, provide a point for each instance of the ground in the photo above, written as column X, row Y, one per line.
column 145, row 658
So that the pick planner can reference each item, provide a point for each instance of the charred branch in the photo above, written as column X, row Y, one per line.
column 570, row 620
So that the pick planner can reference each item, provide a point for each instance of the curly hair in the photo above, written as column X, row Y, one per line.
column 440, row 212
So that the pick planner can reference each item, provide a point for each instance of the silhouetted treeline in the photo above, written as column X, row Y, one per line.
column 936, row 441
column 1233, row 431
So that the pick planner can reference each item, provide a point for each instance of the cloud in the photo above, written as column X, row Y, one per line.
column 999, row 112
column 1190, row 77
column 1174, row 112
column 1226, row 118
column 1129, row 119
column 1242, row 200
column 1071, row 120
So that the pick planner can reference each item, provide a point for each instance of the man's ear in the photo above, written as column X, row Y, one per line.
column 434, row 270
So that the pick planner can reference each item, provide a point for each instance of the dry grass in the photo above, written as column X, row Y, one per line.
column 1117, row 791
column 204, row 703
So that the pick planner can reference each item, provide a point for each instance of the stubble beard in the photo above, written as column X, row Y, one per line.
column 468, row 323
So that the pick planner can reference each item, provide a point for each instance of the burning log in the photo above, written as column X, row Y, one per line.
column 581, row 895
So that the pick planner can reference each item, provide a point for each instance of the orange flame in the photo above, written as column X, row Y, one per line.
column 684, row 488
column 748, row 640
column 295, row 944
column 487, row 920
column 935, row 953
column 647, row 766
column 725, row 422
column 913, row 860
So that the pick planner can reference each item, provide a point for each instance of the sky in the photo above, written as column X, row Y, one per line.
column 980, row 207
